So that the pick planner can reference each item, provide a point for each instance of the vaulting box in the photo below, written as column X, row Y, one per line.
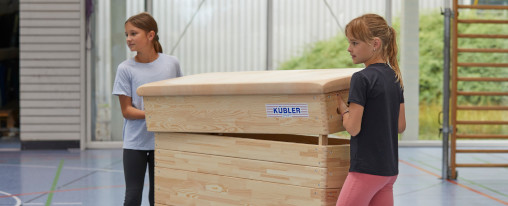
column 248, row 138
column 279, row 102
column 248, row 169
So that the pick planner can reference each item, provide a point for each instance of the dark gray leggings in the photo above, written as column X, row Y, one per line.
column 134, row 168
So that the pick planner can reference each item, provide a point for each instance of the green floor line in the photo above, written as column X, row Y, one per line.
column 55, row 181
column 460, row 178
column 424, row 163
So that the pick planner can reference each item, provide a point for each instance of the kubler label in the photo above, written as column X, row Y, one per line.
column 287, row 110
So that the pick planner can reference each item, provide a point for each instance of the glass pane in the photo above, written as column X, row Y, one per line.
column 108, row 51
column 213, row 36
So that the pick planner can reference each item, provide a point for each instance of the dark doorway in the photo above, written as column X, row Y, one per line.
column 9, row 75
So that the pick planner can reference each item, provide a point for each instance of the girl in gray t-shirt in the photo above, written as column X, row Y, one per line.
column 149, row 65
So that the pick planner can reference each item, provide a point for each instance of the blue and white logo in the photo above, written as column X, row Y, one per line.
column 287, row 110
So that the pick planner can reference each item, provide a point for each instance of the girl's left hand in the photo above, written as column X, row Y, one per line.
column 342, row 105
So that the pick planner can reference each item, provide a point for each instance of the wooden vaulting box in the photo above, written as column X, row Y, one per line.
column 248, row 138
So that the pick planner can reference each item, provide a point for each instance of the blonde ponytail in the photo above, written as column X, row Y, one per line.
column 391, row 53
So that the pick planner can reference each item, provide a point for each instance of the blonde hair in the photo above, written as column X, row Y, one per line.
column 147, row 23
column 369, row 26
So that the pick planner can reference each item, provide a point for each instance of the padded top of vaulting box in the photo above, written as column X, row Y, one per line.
column 315, row 81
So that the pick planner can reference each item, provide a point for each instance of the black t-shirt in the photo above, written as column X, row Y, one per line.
column 375, row 149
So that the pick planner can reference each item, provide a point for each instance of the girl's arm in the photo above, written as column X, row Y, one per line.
column 402, row 118
column 128, row 111
column 351, row 117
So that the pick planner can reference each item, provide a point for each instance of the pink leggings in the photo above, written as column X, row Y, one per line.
column 361, row 189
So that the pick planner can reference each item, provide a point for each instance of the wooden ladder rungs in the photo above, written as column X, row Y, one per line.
column 481, row 165
column 481, row 151
column 481, row 136
column 481, row 122
column 494, row 7
column 482, row 107
column 482, row 21
column 485, row 79
column 482, row 93
column 487, row 36
column 482, row 50
column 469, row 64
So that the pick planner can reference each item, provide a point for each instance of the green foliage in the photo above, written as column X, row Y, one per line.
column 326, row 54
column 431, row 57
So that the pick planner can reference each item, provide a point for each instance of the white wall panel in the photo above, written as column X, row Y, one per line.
column 51, row 70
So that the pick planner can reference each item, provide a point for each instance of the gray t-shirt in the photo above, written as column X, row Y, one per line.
column 129, row 76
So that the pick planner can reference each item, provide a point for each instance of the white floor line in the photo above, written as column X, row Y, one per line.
column 70, row 168
column 18, row 201
column 55, row 203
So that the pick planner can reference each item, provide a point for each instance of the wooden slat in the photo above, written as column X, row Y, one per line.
column 50, row 127
column 50, row 31
column 178, row 187
column 26, row 7
column 494, row 7
column 50, row 79
column 469, row 64
column 482, row 107
column 49, row 55
column 50, row 95
column 50, row 63
column 49, row 72
column 486, row 36
column 49, row 104
column 323, row 139
column 290, row 174
column 300, row 139
column 482, row 21
column 482, row 136
column 28, row 136
column 273, row 151
column 481, row 122
column 241, row 114
column 50, row 47
column 50, row 120
column 48, row 15
column 483, row 50
column 50, row 88
column 453, row 83
column 482, row 165
column 50, row 1
column 43, row 40
column 482, row 93
column 481, row 151
column 49, row 112
column 484, row 79
column 54, row 23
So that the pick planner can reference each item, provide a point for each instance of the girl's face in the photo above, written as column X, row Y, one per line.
column 137, row 39
column 361, row 52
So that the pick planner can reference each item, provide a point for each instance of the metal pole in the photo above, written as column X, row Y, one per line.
column 388, row 12
column 269, row 34
column 446, row 90
column 149, row 6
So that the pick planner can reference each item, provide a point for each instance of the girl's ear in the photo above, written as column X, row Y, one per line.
column 151, row 35
column 376, row 43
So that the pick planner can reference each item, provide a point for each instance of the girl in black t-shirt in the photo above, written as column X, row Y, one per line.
column 375, row 114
